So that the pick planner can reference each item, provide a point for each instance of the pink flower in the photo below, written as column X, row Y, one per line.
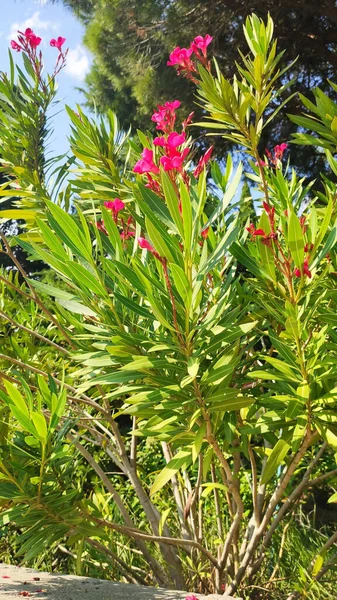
column 28, row 32
column 256, row 232
column 180, row 57
column 15, row 46
column 191, row 597
column 203, row 161
column 279, row 151
column 146, row 164
column 262, row 163
column 58, row 43
column 174, row 162
column 152, row 184
column 305, row 270
column 125, row 235
column 116, row 205
column 175, row 139
column 165, row 116
column 171, row 142
column 201, row 43
column 170, row 105
column 145, row 245
column 187, row 121
column 159, row 141
column 34, row 40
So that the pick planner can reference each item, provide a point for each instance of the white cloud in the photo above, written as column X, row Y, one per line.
column 34, row 22
column 77, row 63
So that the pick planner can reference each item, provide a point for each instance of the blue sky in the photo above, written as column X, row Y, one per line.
column 48, row 21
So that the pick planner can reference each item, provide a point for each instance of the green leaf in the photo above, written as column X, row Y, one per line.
column 275, row 458
column 295, row 240
column 182, row 284
column 266, row 253
column 17, row 398
column 181, row 460
column 87, row 280
column 198, row 440
column 40, row 425
column 186, row 215
column 162, row 521
column 247, row 261
column 172, row 201
column 318, row 564
column 227, row 197
column 158, row 241
column 193, row 366
column 67, row 229
column 209, row 487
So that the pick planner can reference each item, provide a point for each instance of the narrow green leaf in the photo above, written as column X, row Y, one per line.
column 275, row 458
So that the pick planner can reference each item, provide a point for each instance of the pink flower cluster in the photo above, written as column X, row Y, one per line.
column 173, row 155
column 172, row 145
column 184, row 59
column 165, row 116
column 28, row 40
column 116, row 206
column 276, row 156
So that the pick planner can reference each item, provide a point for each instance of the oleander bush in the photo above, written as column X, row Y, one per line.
column 169, row 386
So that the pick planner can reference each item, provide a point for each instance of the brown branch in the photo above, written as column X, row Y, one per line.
column 170, row 541
column 34, row 333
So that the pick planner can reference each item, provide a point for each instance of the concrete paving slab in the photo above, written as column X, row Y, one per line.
column 18, row 582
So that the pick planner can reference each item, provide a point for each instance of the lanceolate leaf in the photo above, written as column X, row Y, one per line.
column 296, row 240
column 275, row 459
column 180, row 461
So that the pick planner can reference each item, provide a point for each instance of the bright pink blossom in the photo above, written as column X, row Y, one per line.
column 203, row 161
column 15, row 46
column 175, row 139
column 191, row 597
column 174, row 162
column 277, row 155
column 181, row 57
column 170, row 105
column 171, row 142
column 116, row 205
column 201, row 43
column 34, row 40
column 58, row 43
column 145, row 245
column 305, row 270
column 28, row 32
column 165, row 116
column 256, row 232
column 262, row 163
column 146, row 164
column 125, row 235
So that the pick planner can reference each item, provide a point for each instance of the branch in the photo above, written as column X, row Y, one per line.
column 170, row 541
column 34, row 333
